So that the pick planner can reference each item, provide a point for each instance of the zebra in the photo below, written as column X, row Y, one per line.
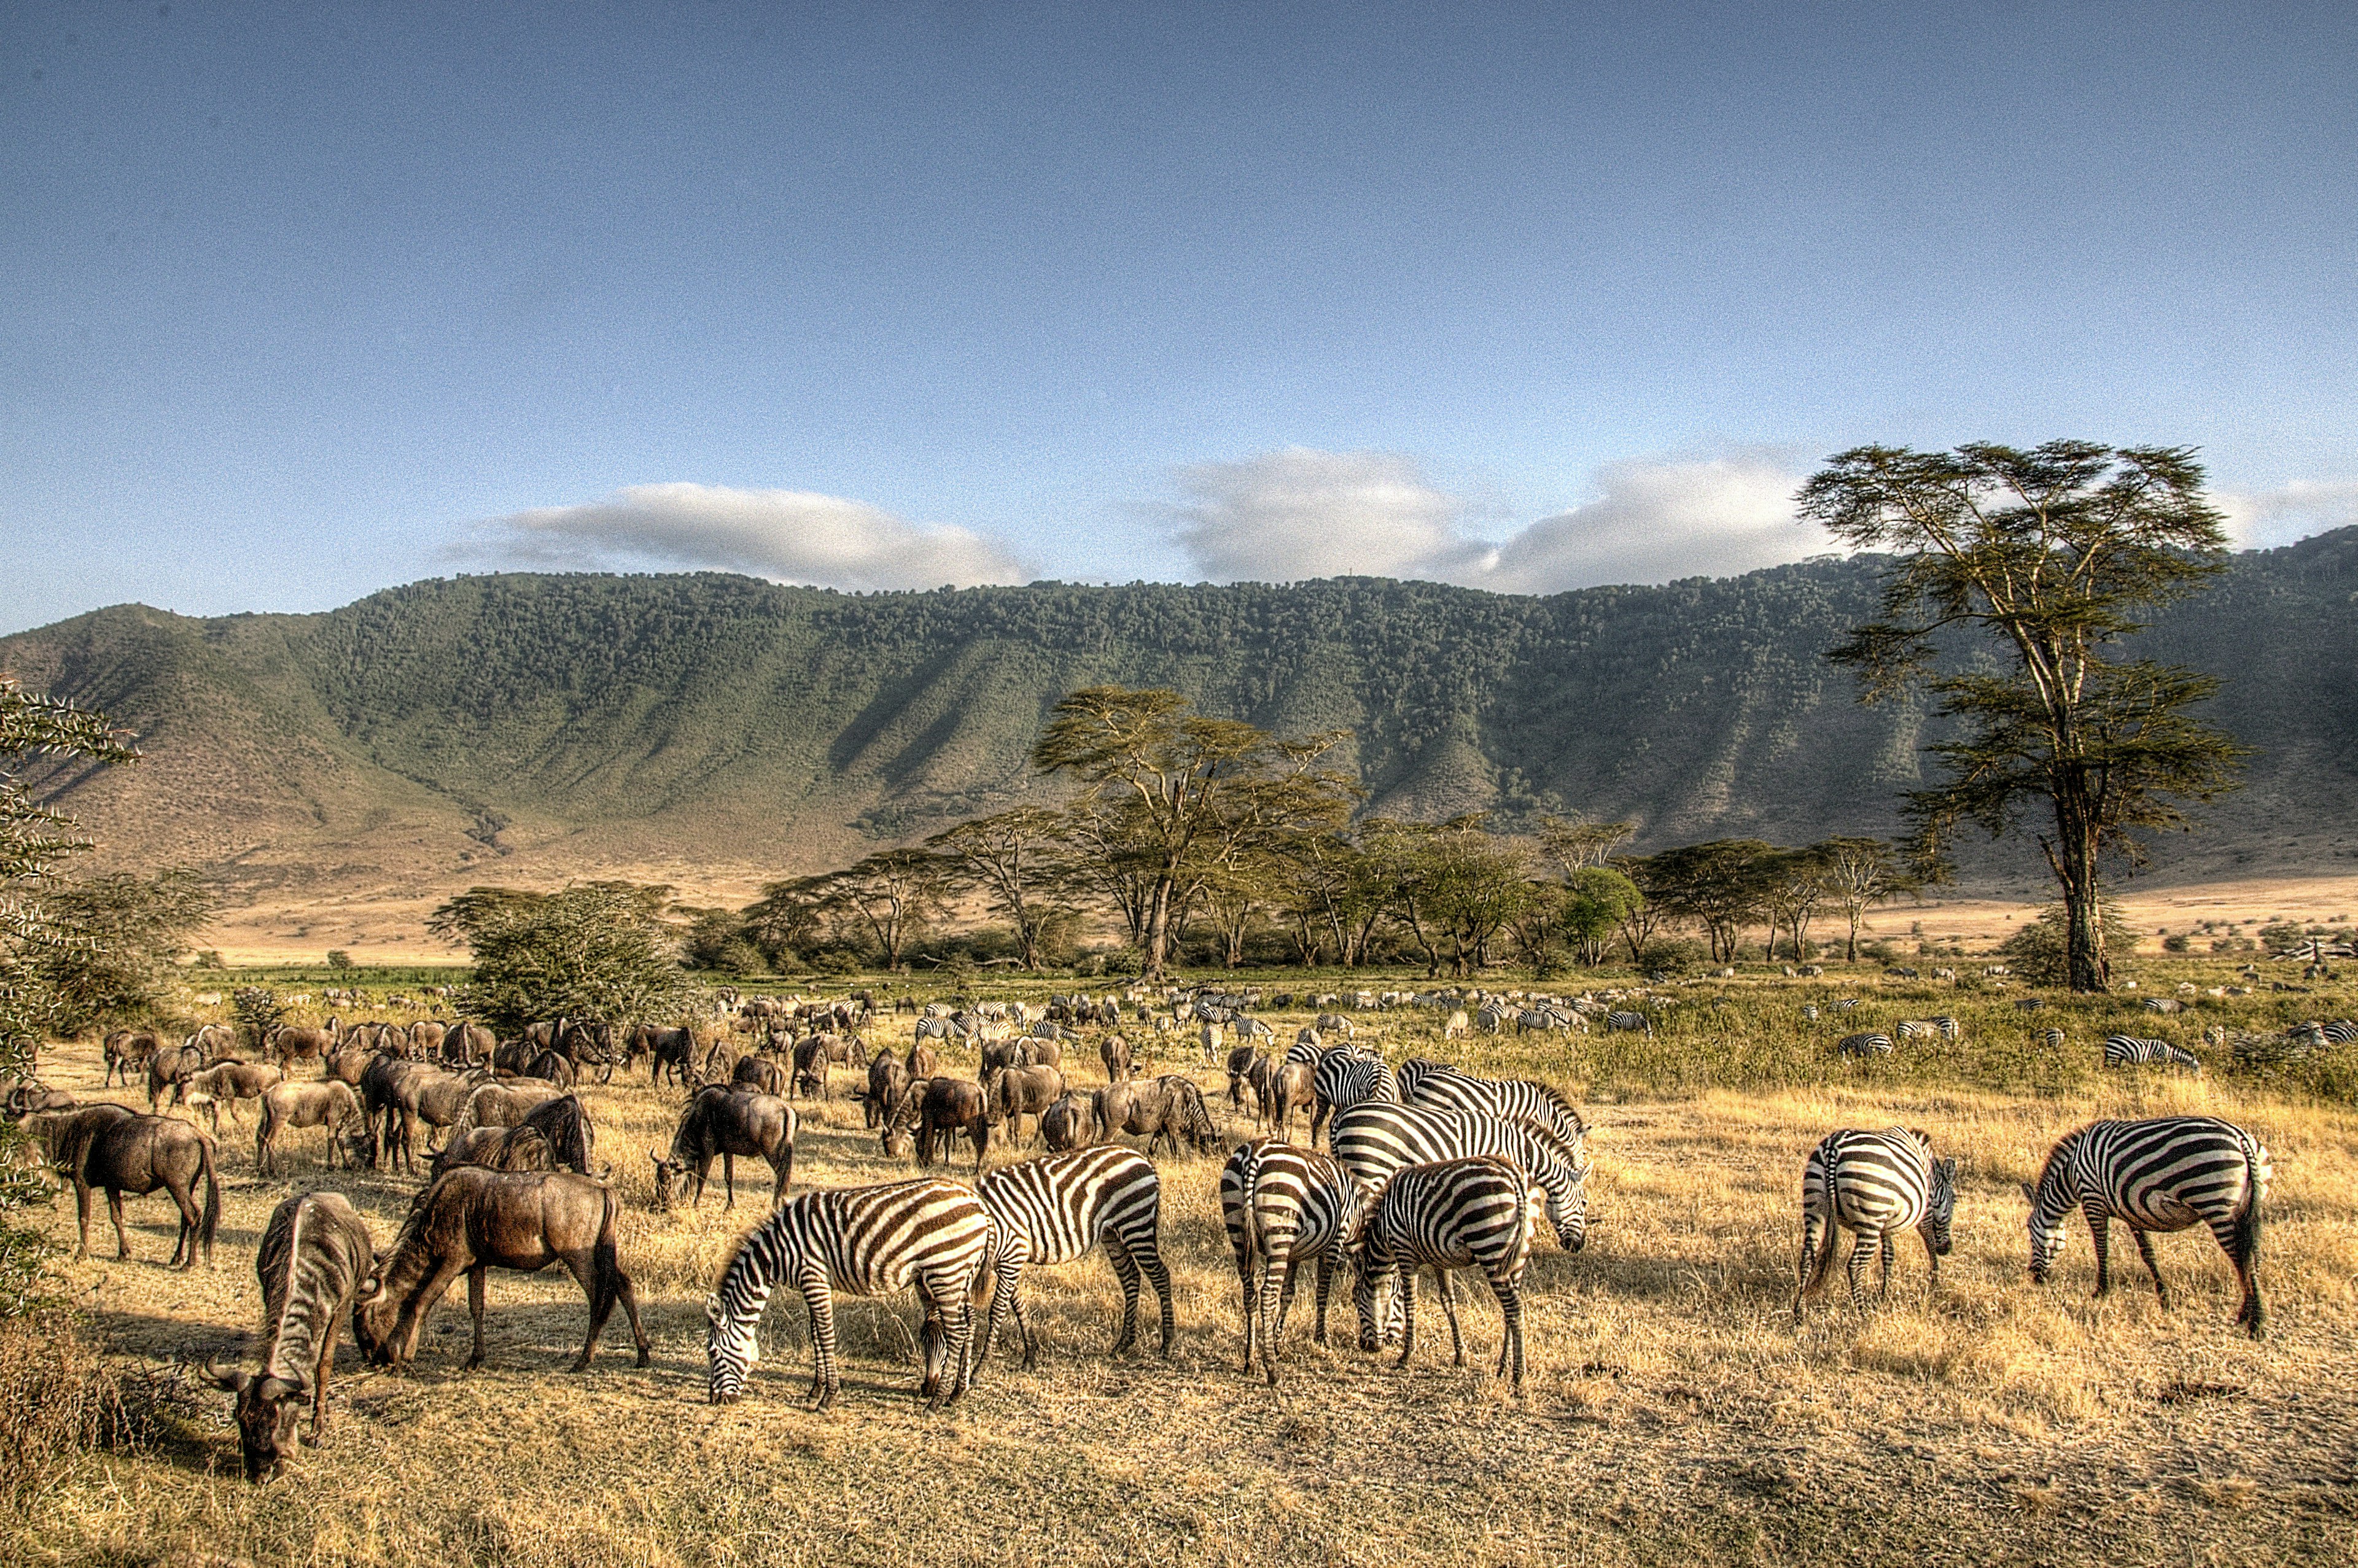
column 1053, row 1209
column 2339, row 1031
column 1843, row 1004
column 1916, row 1029
column 1282, row 1204
column 1633, row 1023
column 1810, row 1011
column 1373, row 1141
column 2167, row 1174
column 2124, row 1050
column 1867, row 1044
column 1446, row 1088
column 1344, row 1078
column 1873, row 1184
column 1480, row 1211
column 2052, row 1039
column 870, row 1241
column 1413, row 1072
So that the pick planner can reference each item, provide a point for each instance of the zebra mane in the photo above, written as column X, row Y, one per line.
column 1555, row 1097
column 2053, row 1164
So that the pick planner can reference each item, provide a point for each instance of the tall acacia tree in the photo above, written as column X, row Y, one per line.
column 1195, row 796
column 2054, row 552
column 1014, row 859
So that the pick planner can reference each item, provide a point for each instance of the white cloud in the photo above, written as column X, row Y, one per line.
column 787, row 535
column 2263, row 519
column 1296, row 513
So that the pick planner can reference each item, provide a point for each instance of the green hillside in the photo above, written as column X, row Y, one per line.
column 444, row 722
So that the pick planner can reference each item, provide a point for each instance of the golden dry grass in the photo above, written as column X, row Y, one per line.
column 1673, row 1414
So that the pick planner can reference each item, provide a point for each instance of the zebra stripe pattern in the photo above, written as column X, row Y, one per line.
column 1415, row 1071
column 1282, row 1204
column 2052, row 1038
column 2167, row 1174
column 1446, row 1088
column 1344, row 1079
column 870, row 1241
column 1479, row 1213
column 1634, row 1023
column 2341, row 1031
column 2127, row 1050
column 1371, row 1141
column 1053, row 1209
column 1917, row 1029
column 1868, row 1044
column 1873, row 1184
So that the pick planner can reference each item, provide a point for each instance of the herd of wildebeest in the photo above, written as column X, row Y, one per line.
column 515, row 1182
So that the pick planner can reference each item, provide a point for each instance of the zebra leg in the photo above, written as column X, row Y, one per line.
column 1511, row 1308
column 1326, row 1280
column 1449, row 1306
column 1006, row 1301
column 821, row 1303
column 2100, row 1231
column 1867, row 1242
column 1408, row 1316
column 1890, row 1247
column 2144, row 1251
column 1125, row 1269
column 1811, row 1270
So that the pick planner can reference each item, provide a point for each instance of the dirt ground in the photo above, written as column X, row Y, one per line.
column 1673, row 1414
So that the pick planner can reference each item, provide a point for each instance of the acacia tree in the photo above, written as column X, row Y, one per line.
column 892, row 895
column 1860, row 873
column 1014, row 859
column 1720, row 885
column 1793, row 884
column 1599, row 900
column 597, row 950
column 2053, row 552
column 1576, row 844
column 1195, row 796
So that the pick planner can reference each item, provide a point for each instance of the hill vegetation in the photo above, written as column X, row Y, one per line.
column 428, row 731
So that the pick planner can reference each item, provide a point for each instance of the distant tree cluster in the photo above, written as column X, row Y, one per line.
column 597, row 951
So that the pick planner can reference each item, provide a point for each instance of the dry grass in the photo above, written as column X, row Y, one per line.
column 1673, row 1414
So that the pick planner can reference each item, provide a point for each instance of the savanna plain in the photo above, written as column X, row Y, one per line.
column 1673, row 1414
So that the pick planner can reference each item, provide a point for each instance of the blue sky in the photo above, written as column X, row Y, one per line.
column 297, row 302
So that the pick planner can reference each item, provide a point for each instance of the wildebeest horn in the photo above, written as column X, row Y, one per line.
column 656, row 1155
column 372, row 1290
column 235, row 1380
column 276, row 1389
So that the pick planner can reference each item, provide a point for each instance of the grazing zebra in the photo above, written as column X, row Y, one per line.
column 1344, row 1078
column 1634, row 1023
column 2339, row 1031
column 1873, row 1184
column 1281, row 1205
column 1948, row 1027
column 2029, row 1004
column 2164, row 1175
column 870, row 1241
column 1843, row 1004
column 2124, row 1049
column 1454, row 1214
column 2052, row 1039
column 1810, row 1011
column 1371, row 1141
column 1412, row 1073
column 1053, row 1209
column 1446, row 1088
column 1867, row 1044
column 1917, row 1029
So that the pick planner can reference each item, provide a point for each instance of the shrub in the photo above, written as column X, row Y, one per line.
column 59, row 1399
column 2181, row 943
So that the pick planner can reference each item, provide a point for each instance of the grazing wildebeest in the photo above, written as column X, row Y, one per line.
column 226, row 1085
column 761, row 1075
column 727, row 1122
column 811, row 1059
column 291, row 1043
column 26, row 1096
column 502, row 1104
column 1065, row 1124
column 900, row 1135
column 472, row 1221
column 397, row 1094
column 887, row 1081
column 1114, row 1051
column 921, row 1062
column 168, row 1064
column 672, row 1050
column 1240, row 1069
column 1014, row 1093
column 126, row 1049
column 348, row 1065
column 331, row 1105
column 555, row 1135
column 315, row 1253
column 108, row 1147
column 1168, row 1108
column 467, row 1046
column 552, row 1067
column 951, row 1107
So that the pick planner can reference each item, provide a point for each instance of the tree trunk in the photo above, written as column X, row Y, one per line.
column 2072, row 855
column 1158, row 930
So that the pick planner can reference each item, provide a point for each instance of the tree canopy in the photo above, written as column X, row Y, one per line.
column 599, row 951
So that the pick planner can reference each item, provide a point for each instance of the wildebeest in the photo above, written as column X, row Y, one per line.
column 921, row 1062
column 315, row 1253
column 1065, row 1124
column 555, row 1135
column 887, row 1081
column 761, row 1075
column 126, row 1049
column 397, row 1094
column 331, row 1105
column 551, row 1067
column 950, row 1107
column 225, row 1085
column 466, row 1045
column 167, row 1064
column 1114, row 1051
column 291, row 1043
column 502, row 1104
column 106, row 1146
column 720, row 1120
column 812, row 1058
column 1014, row 1093
column 1241, row 1074
column 1168, row 1108
column 472, row 1221
column 26, row 1096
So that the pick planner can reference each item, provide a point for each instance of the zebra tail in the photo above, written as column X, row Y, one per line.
column 1823, row 1262
column 2247, row 1221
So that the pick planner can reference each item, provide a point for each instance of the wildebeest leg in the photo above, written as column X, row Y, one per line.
column 782, row 1168
column 1449, row 1305
column 327, row 1364
column 184, row 1245
column 81, row 1211
column 2144, row 1251
column 475, row 1307
column 729, row 1174
column 114, row 1212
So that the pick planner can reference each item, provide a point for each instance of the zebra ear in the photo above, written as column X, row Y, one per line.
column 2028, row 1195
column 712, row 1308
column 1949, row 1171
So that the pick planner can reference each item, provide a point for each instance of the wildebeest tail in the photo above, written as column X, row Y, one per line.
column 212, row 1198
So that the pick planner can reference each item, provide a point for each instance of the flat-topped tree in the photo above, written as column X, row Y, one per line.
column 1189, row 796
column 2054, row 552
